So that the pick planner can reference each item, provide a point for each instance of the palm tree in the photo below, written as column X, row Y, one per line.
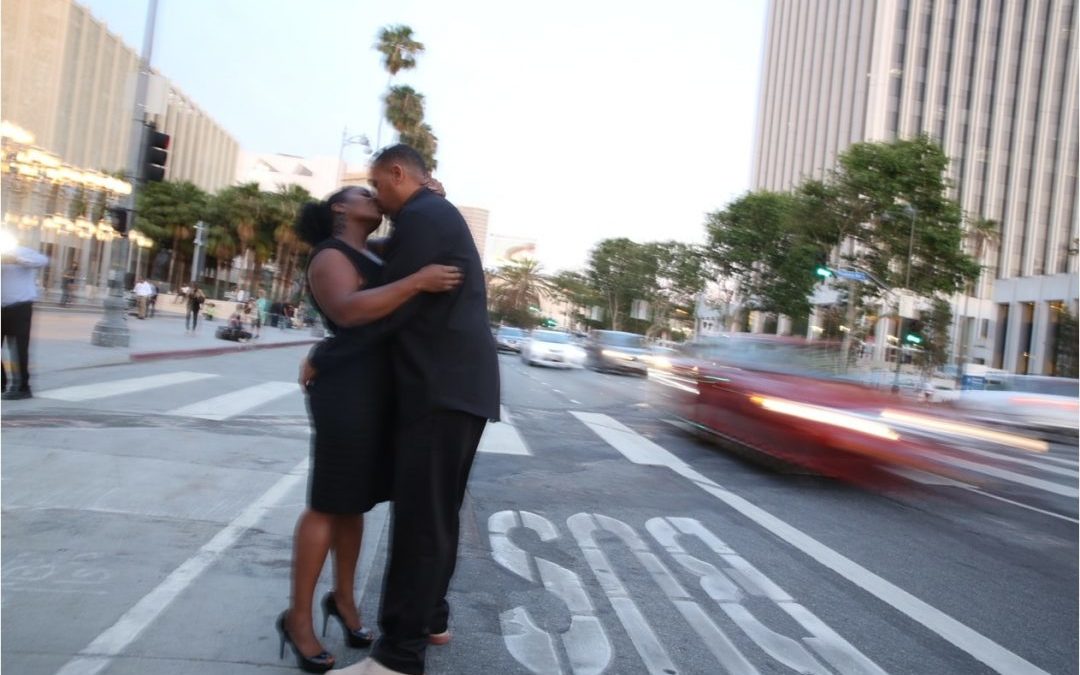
column 290, row 199
column 399, row 50
column 424, row 141
column 250, row 212
column 169, row 211
column 404, row 108
column 517, row 287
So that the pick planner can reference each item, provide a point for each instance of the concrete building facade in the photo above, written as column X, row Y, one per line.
column 995, row 83
column 70, row 82
column 477, row 220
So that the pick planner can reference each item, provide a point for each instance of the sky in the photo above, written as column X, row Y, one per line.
column 570, row 120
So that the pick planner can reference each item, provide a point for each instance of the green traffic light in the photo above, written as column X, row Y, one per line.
column 914, row 339
column 824, row 272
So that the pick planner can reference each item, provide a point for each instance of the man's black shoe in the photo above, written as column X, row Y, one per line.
column 16, row 395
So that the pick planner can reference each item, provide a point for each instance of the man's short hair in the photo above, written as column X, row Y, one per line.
column 406, row 155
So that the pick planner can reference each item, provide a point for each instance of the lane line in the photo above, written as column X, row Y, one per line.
column 97, row 655
column 89, row 392
column 1021, row 460
column 503, row 438
column 984, row 493
column 926, row 478
column 236, row 402
column 1013, row 477
column 640, row 450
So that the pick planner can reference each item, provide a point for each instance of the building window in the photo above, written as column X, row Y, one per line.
column 984, row 329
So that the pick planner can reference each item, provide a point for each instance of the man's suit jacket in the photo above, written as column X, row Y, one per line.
column 443, row 352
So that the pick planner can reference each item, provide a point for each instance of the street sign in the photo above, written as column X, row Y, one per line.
column 852, row 275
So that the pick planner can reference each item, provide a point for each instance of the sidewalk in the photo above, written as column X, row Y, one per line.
column 61, row 339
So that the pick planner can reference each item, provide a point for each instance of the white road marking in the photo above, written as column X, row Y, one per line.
column 984, row 493
column 236, row 402
column 575, row 402
column 89, row 392
column 1013, row 477
column 641, row 634
column 1022, row 460
column 97, row 655
column 643, row 451
column 503, row 438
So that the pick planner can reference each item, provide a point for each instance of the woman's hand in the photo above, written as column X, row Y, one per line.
column 435, row 186
column 307, row 374
column 438, row 278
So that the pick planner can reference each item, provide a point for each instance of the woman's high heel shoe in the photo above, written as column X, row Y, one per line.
column 359, row 638
column 320, row 663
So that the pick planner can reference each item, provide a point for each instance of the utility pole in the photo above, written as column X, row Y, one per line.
column 112, row 330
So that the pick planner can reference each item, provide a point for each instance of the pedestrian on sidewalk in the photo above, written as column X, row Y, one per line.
column 18, row 291
column 143, row 291
column 195, row 300
column 263, row 305
column 153, row 299
column 67, row 290
column 350, row 407
column 446, row 373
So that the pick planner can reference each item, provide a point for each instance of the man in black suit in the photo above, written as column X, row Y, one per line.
column 446, row 373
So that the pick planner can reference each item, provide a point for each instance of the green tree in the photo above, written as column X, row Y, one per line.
column 254, row 216
column 574, row 289
column 515, row 289
column 621, row 271
column 289, row 200
column 167, row 213
column 934, row 351
column 761, row 241
column 892, row 199
column 681, row 274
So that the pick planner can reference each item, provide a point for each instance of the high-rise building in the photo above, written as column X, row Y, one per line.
column 995, row 83
column 477, row 220
column 70, row 82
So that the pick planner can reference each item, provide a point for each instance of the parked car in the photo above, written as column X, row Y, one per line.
column 552, row 348
column 509, row 339
column 615, row 351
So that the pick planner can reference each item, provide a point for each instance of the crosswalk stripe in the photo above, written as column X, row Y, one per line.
column 236, row 402
column 641, row 450
column 503, row 438
column 89, row 392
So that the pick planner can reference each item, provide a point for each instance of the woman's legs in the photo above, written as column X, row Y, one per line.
column 348, row 535
column 312, row 541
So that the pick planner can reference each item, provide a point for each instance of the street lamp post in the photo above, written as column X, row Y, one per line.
column 112, row 330
column 346, row 140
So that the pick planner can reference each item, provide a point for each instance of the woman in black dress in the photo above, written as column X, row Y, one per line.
column 349, row 409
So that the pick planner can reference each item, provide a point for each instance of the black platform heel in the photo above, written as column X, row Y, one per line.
column 320, row 663
column 359, row 638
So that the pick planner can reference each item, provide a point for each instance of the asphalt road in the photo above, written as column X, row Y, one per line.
column 148, row 511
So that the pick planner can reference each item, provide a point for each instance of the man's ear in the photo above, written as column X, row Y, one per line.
column 398, row 172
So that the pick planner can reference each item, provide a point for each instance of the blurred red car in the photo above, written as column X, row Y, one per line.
column 782, row 398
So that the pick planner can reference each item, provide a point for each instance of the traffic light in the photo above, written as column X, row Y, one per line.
column 119, row 219
column 915, row 333
column 155, row 154
column 821, row 268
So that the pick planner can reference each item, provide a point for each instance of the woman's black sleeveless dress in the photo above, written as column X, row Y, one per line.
column 351, row 406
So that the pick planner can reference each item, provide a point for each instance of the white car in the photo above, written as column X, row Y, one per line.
column 1025, row 401
column 552, row 348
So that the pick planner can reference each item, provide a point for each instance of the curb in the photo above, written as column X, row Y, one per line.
column 216, row 351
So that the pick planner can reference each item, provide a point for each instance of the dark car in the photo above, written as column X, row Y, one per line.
column 510, row 339
column 617, row 352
